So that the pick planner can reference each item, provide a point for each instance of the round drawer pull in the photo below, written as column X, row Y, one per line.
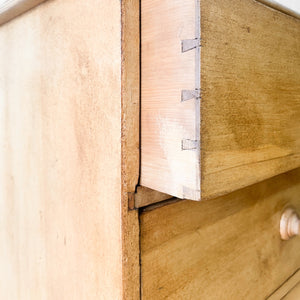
column 289, row 224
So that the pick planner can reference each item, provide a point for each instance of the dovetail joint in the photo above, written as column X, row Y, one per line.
column 187, row 144
column 189, row 193
column 190, row 94
column 187, row 45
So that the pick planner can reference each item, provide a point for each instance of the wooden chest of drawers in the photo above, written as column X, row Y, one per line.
column 220, row 107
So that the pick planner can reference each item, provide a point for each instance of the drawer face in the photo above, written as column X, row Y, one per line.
column 243, row 124
column 289, row 290
column 226, row 248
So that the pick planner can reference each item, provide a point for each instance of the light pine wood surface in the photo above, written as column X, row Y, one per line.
column 250, row 96
column 10, row 9
column 289, row 7
column 250, row 109
column 293, row 294
column 144, row 196
column 289, row 290
column 226, row 248
column 165, row 121
column 130, row 106
column 61, row 219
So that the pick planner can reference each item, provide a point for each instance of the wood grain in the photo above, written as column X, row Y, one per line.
column 250, row 96
column 60, row 153
column 289, row 8
column 145, row 196
column 293, row 294
column 10, row 9
column 226, row 248
column 165, row 121
column 130, row 145
column 287, row 289
column 250, row 106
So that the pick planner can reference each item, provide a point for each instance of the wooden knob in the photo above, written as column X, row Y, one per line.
column 289, row 224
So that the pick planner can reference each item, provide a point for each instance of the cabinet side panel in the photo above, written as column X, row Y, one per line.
column 60, row 155
column 10, row 9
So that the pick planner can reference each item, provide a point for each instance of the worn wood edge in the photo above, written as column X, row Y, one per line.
column 13, row 8
column 130, row 74
column 145, row 196
column 286, row 287
column 161, row 204
column 280, row 7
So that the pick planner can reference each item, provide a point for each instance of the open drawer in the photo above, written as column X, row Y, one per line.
column 220, row 102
